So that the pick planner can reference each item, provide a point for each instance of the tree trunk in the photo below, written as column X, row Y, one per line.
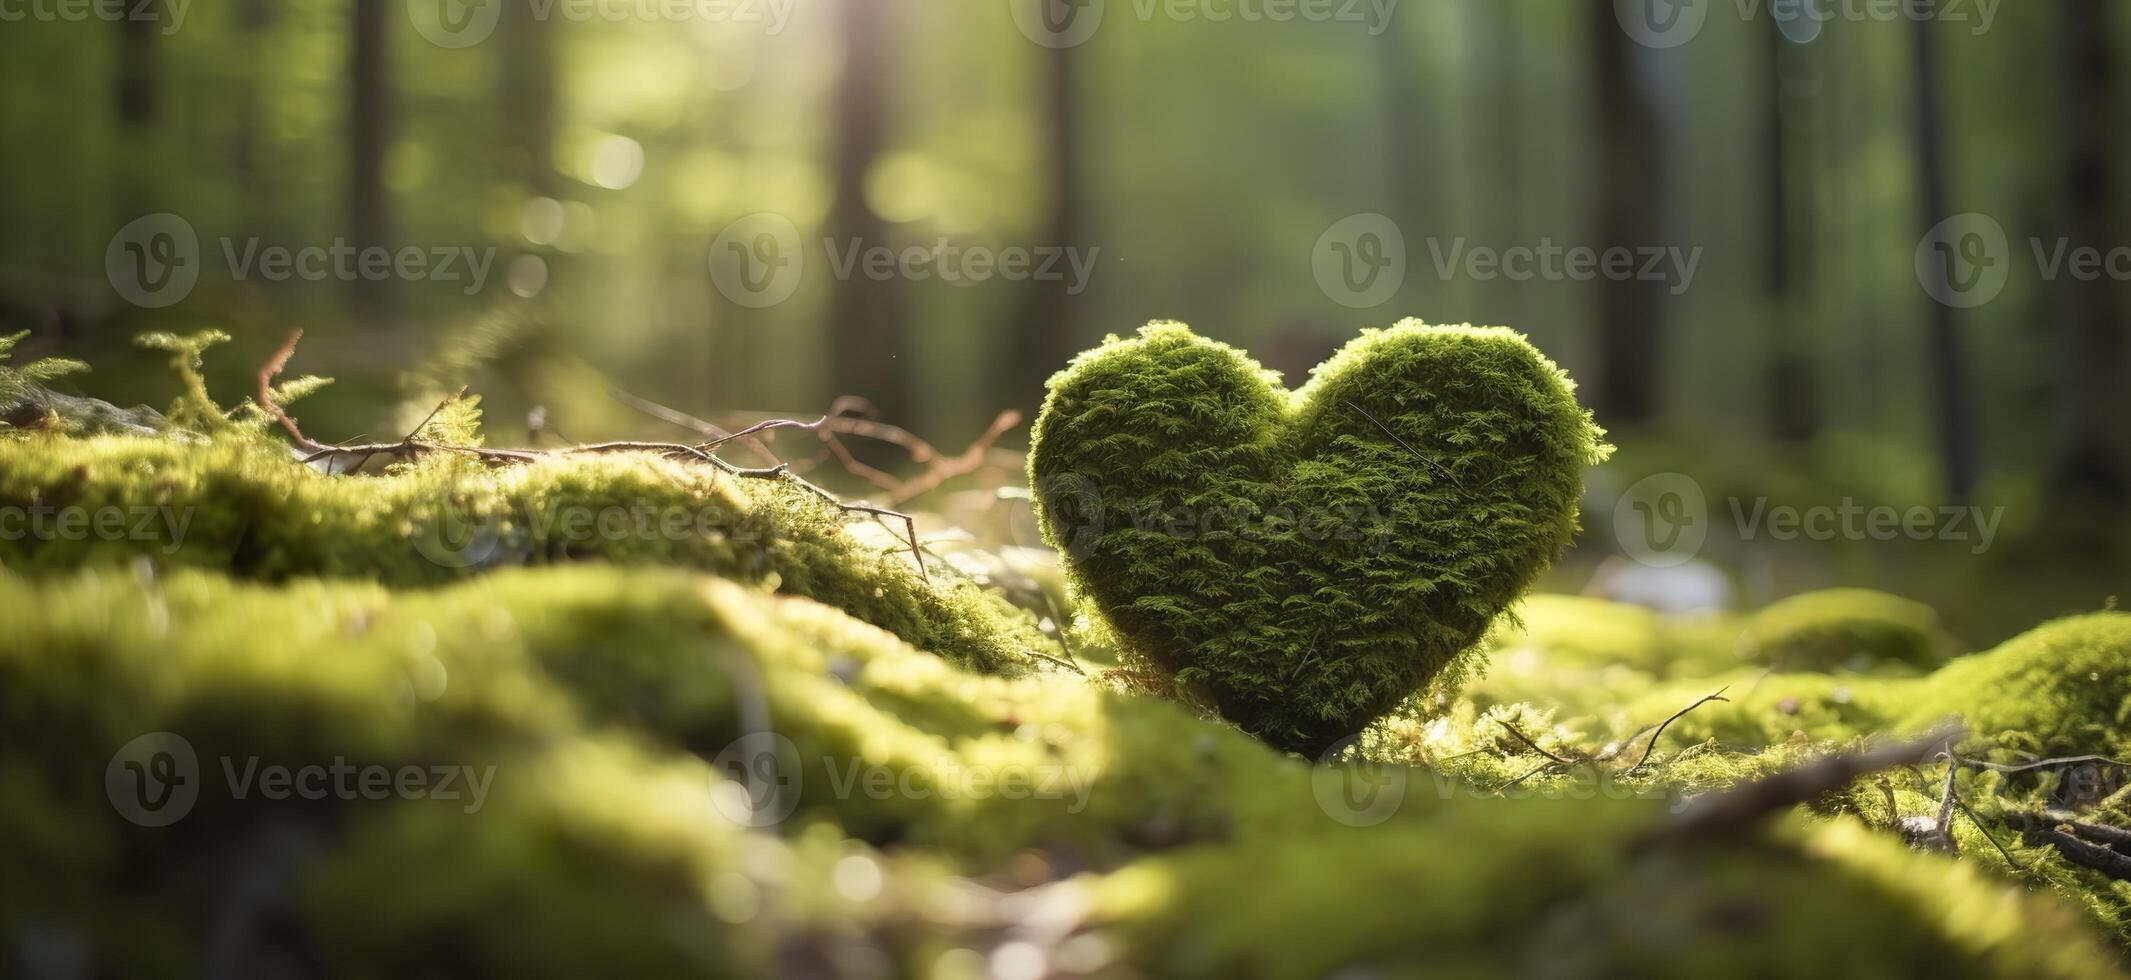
column 1947, row 362
column 1629, row 199
column 369, row 119
column 2091, row 357
column 1794, row 396
column 528, row 99
column 865, row 313
column 1045, row 327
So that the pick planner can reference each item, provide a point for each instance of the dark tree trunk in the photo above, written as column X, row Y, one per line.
column 1629, row 201
column 528, row 98
column 2091, row 357
column 1045, row 328
column 369, row 121
column 1794, row 396
column 136, row 66
column 865, row 313
column 1946, row 359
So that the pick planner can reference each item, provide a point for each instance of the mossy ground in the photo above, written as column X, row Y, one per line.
column 767, row 744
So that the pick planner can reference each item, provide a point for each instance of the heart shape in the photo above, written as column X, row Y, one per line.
column 1306, row 560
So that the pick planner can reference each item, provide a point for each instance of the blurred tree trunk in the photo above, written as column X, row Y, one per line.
column 1044, row 331
column 1629, row 200
column 528, row 98
column 1794, row 392
column 2091, row 362
column 865, row 313
column 136, row 67
column 1946, row 361
column 369, row 124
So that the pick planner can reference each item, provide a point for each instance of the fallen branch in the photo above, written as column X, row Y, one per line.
column 410, row 447
column 1651, row 746
column 1743, row 806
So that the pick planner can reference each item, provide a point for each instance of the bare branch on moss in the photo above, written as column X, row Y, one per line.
column 2067, row 836
column 412, row 446
column 1521, row 737
column 1743, row 806
column 1651, row 746
column 2061, row 763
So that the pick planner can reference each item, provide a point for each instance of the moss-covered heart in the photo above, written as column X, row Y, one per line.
column 1305, row 560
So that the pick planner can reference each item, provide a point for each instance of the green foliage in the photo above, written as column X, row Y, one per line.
column 1857, row 629
column 1306, row 560
column 194, row 408
column 17, row 382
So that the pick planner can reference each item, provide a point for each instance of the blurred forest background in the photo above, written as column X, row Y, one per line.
column 1201, row 165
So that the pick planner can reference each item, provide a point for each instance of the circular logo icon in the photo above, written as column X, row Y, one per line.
column 1661, row 23
column 762, row 780
column 1072, row 513
column 153, row 780
column 451, row 535
column 1058, row 23
column 1360, row 261
column 154, row 261
column 455, row 23
column 1965, row 261
column 1354, row 790
column 1662, row 520
column 757, row 261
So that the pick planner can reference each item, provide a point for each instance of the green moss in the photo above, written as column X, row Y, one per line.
column 1307, row 560
column 243, row 506
column 2060, row 688
column 1855, row 629
column 605, row 699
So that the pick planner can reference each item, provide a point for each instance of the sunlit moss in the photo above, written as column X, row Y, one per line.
column 1854, row 629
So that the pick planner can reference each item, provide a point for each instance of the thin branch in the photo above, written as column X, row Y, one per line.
column 1440, row 468
column 1745, row 805
column 1521, row 737
column 1651, row 746
column 2076, row 760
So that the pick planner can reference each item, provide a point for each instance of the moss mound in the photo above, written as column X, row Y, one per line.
column 1853, row 629
column 1305, row 560
column 607, row 825
column 244, row 507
